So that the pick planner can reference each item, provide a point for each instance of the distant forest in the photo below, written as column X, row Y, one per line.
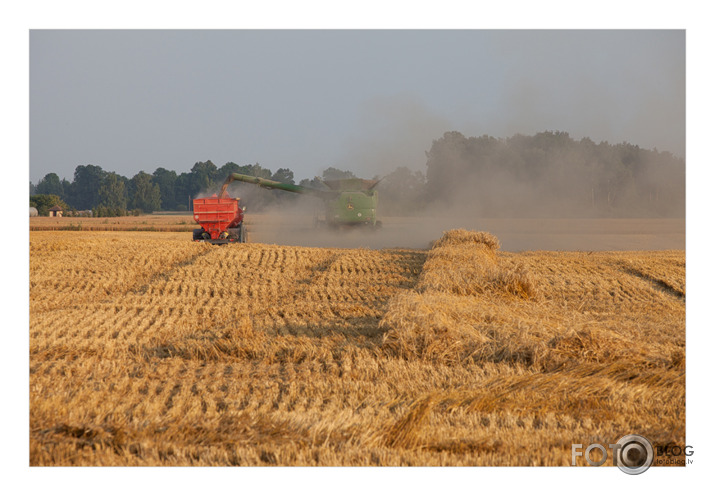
column 548, row 174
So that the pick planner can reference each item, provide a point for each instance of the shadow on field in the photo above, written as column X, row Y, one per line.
column 336, row 303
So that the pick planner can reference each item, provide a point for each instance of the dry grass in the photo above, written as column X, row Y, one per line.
column 148, row 349
column 447, row 317
column 465, row 263
column 157, row 222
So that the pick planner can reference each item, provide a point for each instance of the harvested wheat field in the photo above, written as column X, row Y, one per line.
column 149, row 222
column 149, row 349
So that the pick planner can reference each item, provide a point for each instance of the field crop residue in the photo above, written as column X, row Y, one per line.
column 148, row 349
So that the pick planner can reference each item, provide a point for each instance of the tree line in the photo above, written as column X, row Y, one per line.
column 552, row 174
column 549, row 173
column 111, row 194
column 93, row 188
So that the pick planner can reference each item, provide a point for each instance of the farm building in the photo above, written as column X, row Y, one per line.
column 33, row 212
column 56, row 211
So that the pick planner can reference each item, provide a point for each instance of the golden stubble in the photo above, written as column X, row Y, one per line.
column 148, row 349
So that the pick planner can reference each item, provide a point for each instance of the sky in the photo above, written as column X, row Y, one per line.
column 363, row 100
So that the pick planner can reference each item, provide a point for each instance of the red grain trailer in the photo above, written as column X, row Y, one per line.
column 221, row 220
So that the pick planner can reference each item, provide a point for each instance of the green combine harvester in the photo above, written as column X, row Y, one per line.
column 348, row 202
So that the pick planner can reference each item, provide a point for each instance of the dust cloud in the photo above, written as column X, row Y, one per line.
column 295, row 225
column 542, row 192
column 514, row 234
column 547, row 191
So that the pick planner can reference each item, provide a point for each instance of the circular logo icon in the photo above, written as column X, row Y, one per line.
column 635, row 455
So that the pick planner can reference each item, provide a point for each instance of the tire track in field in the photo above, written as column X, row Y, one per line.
column 349, row 289
column 657, row 283
column 165, row 275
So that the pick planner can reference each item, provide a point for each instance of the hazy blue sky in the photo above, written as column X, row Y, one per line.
column 368, row 100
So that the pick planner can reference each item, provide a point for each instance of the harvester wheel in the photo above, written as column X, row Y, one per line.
column 198, row 233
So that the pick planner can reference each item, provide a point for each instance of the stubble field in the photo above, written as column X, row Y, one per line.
column 148, row 349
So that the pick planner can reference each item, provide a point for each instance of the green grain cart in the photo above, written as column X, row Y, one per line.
column 348, row 202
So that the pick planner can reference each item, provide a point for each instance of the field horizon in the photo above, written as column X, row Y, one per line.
column 295, row 228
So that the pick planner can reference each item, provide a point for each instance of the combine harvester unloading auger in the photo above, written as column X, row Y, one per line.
column 348, row 202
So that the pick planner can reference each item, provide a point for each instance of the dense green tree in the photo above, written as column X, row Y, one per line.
column 66, row 189
column 331, row 173
column 183, row 191
column 283, row 176
column 85, row 187
column 227, row 169
column 204, row 176
column 316, row 183
column 166, row 180
column 112, row 192
column 146, row 195
column 50, row 185
column 255, row 170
